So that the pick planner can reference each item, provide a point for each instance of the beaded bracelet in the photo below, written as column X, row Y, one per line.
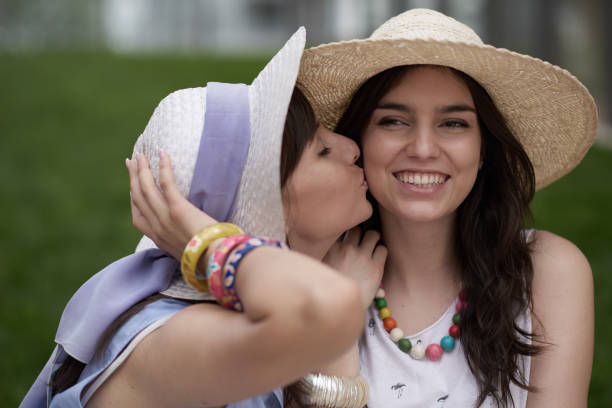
column 223, row 278
column 332, row 392
column 196, row 246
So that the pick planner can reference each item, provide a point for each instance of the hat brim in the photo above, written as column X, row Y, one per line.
column 258, row 208
column 548, row 109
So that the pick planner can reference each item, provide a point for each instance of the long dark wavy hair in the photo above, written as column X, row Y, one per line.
column 496, row 269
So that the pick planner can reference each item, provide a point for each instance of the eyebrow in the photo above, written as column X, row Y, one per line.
column 444, row 109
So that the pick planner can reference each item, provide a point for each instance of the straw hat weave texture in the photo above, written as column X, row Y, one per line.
column 546, row 107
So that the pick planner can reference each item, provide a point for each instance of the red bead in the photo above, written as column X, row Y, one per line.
column 434, row 352
column 460, row 305
column 463, row 295
column 389, row 324
column 454, row 331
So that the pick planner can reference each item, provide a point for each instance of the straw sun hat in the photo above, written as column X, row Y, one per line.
column 178, row 126
column 546, row 107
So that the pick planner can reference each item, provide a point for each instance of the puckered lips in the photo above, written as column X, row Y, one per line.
column 422, row 181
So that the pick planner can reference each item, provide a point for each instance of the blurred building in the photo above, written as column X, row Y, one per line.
column 575, row 34
column 232, row 25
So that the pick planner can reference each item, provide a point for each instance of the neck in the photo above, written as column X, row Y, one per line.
column 314, row 248
column 422, row 258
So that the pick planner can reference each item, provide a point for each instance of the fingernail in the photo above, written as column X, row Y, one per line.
column 162, row 153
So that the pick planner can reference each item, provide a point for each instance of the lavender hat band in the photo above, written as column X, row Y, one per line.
column 98, row 302
column 223, row 149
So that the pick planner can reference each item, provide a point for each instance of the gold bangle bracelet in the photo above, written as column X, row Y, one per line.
column 196, row 247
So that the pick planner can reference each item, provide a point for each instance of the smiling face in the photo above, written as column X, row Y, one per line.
column 325, row 194
column 422, row 146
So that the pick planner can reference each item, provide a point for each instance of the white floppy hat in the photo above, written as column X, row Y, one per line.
column 177, row 126
column 547, row 108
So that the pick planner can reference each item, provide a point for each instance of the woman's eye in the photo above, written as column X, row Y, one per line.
column 325, row 151
column 455, row 124
column 390, row 122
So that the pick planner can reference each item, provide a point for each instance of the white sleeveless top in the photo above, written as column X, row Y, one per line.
column 399, row 381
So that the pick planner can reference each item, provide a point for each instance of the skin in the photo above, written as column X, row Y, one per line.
column 287, row 329
column 418, row 225
column 325, row 183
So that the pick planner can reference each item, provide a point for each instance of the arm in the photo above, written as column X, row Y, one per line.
column 299, row 314
column 563, row 303
column 363, row 261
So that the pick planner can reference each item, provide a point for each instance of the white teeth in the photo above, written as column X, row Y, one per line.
column 421, row 180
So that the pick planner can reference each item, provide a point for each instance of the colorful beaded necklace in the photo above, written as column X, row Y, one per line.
column 417, row 351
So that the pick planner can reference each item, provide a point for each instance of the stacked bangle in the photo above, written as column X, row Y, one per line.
column 196, row 246
column 223, row 263
column 215, row 264
column 332, row 392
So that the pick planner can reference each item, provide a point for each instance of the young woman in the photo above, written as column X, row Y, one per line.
column 456, row 137
column 169, row 351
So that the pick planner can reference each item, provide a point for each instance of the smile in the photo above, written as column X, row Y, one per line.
column 423, row 180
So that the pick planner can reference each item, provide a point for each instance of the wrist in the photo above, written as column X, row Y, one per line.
column 345, row 365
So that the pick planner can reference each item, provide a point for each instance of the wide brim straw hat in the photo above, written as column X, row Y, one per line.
column 546, row 107
column 177, row 125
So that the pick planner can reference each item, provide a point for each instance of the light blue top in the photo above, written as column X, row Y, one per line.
column 71, row 398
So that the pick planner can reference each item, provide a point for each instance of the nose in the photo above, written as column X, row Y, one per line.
column 424, row 144
column 347, row 147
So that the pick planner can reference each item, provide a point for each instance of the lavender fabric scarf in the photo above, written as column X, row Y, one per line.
column 223, row 150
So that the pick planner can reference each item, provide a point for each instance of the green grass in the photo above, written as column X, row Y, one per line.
column 67, row 121
column 578, row 207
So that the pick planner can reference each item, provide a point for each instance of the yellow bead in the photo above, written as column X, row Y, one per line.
column 384, row 313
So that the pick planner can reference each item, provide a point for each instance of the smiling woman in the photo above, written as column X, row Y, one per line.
column 456, row 136
column 423, row 142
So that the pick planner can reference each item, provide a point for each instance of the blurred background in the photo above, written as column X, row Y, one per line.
column 80, row 78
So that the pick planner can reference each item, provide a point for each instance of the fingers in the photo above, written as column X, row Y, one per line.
column 154, row 198
column 369, row 241
column 166, row 178
column 380, row 256
column 352, row 236
column 137, row 203
column 186, row 218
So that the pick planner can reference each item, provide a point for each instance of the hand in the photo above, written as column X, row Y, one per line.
column 165, row 216
column 364, row 261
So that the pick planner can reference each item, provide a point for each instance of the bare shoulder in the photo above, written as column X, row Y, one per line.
column 558, row 262
column 563, row 321
column 562, row 282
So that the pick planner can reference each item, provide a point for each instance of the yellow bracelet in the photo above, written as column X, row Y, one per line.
column 196, row 247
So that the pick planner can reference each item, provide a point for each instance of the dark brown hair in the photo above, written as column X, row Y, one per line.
column 496, row 268
column 300, row 127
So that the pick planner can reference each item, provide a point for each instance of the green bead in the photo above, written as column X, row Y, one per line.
column 405, row 345
column 380, row 303
column 457, row 319
column 447, row 343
